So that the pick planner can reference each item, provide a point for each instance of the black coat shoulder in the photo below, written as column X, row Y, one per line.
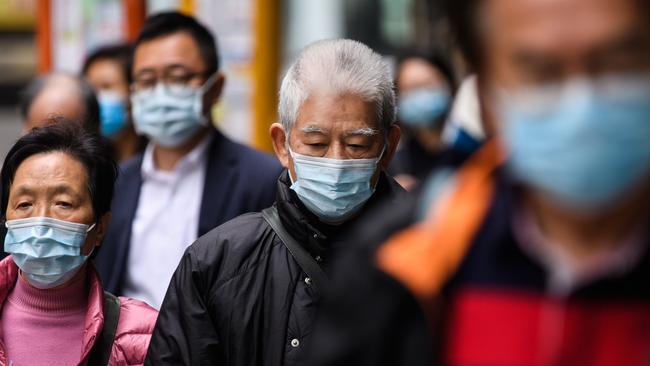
column 233, row 248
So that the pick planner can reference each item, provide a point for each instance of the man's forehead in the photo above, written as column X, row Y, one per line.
column 544, row 22
column 161, row 52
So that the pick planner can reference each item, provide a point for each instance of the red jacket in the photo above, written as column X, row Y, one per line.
column 136, row 320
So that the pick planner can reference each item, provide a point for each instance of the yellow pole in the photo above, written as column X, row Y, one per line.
column 266, row 65
column 186, row 7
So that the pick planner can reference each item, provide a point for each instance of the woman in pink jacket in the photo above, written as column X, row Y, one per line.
column 57, row 185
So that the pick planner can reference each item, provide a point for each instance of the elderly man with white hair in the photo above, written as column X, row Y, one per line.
column 246, row 292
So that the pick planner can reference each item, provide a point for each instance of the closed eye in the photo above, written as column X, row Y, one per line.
column 64, row 204
column 23, row 205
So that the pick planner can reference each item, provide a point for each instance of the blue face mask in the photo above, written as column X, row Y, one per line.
column 332, row 189
column 112, row 113
column 424, row 108
column 47, row 250
column 585, row 143
column 170, row 115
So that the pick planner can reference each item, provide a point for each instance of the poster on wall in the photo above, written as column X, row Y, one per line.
column 78, row 27
column 232, row 23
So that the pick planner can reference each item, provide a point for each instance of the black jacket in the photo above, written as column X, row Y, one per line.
column 239, row 298
column 238, row 179
column 371, row 318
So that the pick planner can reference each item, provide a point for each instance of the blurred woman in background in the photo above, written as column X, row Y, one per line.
column 425, row 88
column 108, row 71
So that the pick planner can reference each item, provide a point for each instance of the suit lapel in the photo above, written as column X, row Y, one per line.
column 220, row 175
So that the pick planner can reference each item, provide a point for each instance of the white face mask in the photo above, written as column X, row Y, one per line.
column 170, row 119
column 332, row 189
column 585, row 142
column 47, row 250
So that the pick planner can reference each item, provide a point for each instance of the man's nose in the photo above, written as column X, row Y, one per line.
column 41, row 209
column 336, row 151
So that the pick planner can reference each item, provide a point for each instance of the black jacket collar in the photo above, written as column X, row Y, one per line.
column 314, row 234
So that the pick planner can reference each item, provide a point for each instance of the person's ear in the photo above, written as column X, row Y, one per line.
column 279, row 139
column 97, row 234
column 102, row 228
column 213, row 94
column 394, row 134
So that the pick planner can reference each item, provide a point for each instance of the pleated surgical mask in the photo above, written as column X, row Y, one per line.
column 332, row 189
column 112, row 113
column 585, row 142
column 424, row 108
column 47, row 250
column 170, row 114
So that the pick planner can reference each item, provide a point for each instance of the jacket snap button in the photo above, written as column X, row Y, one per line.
column 308, row 281
column 315, row 236
column 318, row 258
column 295, row 343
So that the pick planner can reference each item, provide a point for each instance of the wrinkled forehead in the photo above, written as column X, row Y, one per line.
column 52, row 171
column 337, row 113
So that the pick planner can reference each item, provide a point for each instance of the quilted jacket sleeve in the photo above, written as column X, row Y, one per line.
column 133, row 332
column 184, row 333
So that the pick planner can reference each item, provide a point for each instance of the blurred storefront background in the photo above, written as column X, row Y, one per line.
column 257, row 40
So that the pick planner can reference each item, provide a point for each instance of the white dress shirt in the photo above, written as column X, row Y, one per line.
column 565, row 272
column 166, row 222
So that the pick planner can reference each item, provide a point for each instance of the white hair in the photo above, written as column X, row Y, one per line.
column 336, row 67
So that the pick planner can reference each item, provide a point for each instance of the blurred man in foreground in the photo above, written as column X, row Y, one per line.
column 537, row 252
column 246, row 293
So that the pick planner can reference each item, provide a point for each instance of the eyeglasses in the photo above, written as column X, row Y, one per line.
column 175, row 81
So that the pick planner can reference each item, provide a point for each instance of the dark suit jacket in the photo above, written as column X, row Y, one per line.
column 238, row 179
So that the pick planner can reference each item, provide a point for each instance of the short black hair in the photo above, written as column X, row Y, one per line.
column 435, row 58
column 121, row 53
column 166, row 23
column 463, row 20
column 91, row 149
column 91, row 119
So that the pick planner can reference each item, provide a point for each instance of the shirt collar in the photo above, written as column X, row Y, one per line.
column 564, row 274
column 190, row 161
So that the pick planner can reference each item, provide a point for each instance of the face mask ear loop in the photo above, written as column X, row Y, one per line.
column 294, row 162
column 94, row 225
column 383, row 150
column 208, row 84
column 91, row 227
column 91, row 251
column 201, row 95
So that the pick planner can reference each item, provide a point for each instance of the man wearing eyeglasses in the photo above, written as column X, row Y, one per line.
column 190, row 178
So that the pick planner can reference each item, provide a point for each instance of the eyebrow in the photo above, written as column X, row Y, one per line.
column 165, row 70
column 626, row 41
column 62, row 188
column 365, row 131
column 58, row 189
column 21, row 190
column 312, row 129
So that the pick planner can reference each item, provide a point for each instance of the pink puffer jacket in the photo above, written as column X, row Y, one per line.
column 134, row 327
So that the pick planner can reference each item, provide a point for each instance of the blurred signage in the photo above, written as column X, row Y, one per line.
column 17, row 15
column 78, row 27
